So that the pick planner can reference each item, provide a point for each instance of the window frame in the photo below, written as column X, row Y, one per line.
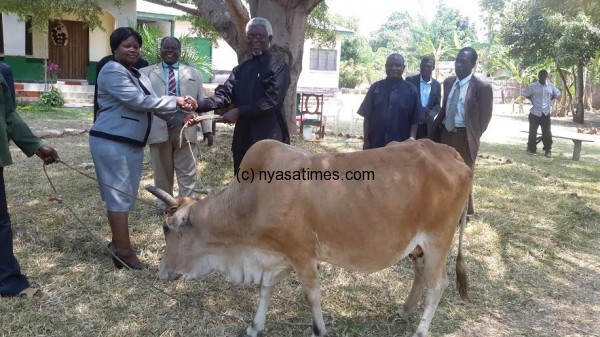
column 330, row 60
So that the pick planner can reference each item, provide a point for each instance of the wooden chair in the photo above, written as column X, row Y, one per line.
column 311, row 112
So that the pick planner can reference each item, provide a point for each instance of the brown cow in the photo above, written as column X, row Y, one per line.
column 259, row 231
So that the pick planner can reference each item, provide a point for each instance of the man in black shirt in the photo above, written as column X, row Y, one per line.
column 257, row 88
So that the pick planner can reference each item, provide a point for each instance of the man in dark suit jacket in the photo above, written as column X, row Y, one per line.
column 430, row 93
column 8, row 77
column 466, row 111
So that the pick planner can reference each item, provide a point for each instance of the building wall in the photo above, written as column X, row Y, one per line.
column 31, row 67
column 14, row 35
column 99, row 39
column 125, row 15
column 319, row 78
column 182, row 28
column 224, row 59
column 24, row 67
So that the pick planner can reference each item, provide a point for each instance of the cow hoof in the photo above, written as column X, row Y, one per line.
column 244, row 334
column 398, row 318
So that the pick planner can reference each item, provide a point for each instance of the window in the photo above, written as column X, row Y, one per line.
column 28, row 38
column 323, row 59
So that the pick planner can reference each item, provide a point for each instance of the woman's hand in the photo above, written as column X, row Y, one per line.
column 187, row 103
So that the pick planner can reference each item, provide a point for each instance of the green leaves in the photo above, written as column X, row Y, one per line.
column 151, row 36
column 52, row 98
column 40, row 11
column 535, row 33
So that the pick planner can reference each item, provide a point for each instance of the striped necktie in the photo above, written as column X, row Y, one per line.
column 172, row 82
column 452, row 109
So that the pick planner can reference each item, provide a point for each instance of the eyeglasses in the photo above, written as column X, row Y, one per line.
column 257, row 37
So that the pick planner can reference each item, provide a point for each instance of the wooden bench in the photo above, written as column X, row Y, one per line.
column 576, row 138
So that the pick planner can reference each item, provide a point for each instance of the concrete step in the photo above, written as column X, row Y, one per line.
column 74, row 92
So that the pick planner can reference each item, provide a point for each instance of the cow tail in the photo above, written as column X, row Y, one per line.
column 461, row 270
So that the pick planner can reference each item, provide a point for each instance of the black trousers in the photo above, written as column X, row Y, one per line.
column 422, row 131
column 237, row 159
column 544, row 123
column 12, row 282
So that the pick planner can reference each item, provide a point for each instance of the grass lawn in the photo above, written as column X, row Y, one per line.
column 531, row 251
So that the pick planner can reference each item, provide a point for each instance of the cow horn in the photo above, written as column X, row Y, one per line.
column 162, row 195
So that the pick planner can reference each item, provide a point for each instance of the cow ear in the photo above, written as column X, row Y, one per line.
column 179, row 219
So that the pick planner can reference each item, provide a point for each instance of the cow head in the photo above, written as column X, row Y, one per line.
column 177, row 228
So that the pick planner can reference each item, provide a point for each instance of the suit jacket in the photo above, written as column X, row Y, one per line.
column 479, row 103
column 434, row 97
column 140, row 63
column 190, row 83
column 8, row 77
column 12, row 127
column 126, row 108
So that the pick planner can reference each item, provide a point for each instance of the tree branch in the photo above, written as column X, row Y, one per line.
column 240, row 14
column 228, row 20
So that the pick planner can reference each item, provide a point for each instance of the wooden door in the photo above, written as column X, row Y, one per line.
column 68, row 46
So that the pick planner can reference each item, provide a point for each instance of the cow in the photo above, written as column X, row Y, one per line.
column 259, row 230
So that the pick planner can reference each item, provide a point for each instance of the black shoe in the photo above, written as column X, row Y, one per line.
column 548, row 154
column 120, row 264
column 532, row 153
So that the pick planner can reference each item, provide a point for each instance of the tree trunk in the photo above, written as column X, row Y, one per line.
column 565, row 86
column 588, row 93
column 288, row 19
column 579, row 89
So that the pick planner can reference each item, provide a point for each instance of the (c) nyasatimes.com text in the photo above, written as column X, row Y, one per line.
column 304, row 174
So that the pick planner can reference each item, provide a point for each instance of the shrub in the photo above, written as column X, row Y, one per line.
column 52, row 98
column 350, row 75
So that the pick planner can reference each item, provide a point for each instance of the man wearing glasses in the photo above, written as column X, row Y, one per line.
column 257, row 88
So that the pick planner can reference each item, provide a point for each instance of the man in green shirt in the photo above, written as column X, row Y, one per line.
column 12, row 127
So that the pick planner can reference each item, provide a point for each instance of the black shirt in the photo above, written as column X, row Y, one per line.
column 257, row 87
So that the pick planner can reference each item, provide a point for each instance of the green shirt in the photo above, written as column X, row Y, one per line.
column 12, row 127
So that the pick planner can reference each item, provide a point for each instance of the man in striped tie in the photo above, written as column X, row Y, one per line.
column 466, row 111
column 168, row 159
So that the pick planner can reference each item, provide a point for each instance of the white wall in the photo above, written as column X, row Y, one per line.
column 223, row 57
column 124, row 15
column 319, row 78
column 14, row 35
column 99, row 39
column 182, row 28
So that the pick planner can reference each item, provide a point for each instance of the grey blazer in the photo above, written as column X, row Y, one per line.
column 125, row 109
column 190, row 83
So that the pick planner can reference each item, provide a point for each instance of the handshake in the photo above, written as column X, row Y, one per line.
column 187, row 103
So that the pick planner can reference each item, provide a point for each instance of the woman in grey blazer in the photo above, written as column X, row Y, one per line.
column 117, row 138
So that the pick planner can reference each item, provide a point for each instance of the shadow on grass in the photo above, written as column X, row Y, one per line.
column 540, row 211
